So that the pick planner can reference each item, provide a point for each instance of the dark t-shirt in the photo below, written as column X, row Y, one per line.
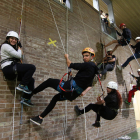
column 113, row 56
column 111, row 100
column 84, row 77
column 137, row 46
column 126, row 33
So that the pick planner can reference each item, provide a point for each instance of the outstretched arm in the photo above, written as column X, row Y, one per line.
column 85, row 91
column 67, row 60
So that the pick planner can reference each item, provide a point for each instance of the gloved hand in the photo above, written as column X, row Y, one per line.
column 19, row 44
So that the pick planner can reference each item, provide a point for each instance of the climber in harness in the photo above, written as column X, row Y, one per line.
column 12, row 67
column 136, row 54
column 112, row 102
column 125, row 37
column 134, row 89
column 108, row 63
column 81, row 83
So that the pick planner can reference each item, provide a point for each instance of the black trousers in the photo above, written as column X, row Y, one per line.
column 53, row 83
column 107, row 67
column 101, row 111
column 62, row 96
column 25, row 73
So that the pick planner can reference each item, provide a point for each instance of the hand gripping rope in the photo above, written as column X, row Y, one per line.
column 65, row 122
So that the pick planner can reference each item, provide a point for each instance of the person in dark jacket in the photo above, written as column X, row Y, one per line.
column 109, row 111
column 135, row 88
column 125, row 37
column 108, row 63
column 136, row 54
column 81, row 83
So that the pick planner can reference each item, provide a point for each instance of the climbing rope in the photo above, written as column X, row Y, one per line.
column 56, row 26
column 132, row 53
column 129, row 48
column 16, row 76
column 65, row 121
column 85, row 118
column 21, row 19
column 83, row 22
column 101, row 87
column 14, row 110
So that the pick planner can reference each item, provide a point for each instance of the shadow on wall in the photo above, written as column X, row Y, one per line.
column 99, row 53
column 119, row 75
column 125, row 107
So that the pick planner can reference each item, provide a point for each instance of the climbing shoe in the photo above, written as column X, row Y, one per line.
column 96, row 124
column 24, row 89
column 36, row 120
column 127, row 102
column 77, row 110
column 26, row 102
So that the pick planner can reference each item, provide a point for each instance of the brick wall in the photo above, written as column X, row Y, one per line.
column 38, row 26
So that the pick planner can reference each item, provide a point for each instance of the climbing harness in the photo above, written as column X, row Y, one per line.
column 61, row 83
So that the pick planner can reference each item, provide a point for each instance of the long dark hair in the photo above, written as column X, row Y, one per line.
column 119, row 98
column 8, row 42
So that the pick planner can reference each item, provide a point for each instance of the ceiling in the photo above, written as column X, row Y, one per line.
column 125, row 11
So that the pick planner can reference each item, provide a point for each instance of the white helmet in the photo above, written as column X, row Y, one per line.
column 109, row 50
column 137, row 38
column 138, row 70
column 13, row 34
column 112, row 85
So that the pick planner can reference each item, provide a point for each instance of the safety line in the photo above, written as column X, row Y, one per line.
column 85, row 118
column 21, row 19
column 14, row 110
column 83, row 22
column 56, row 27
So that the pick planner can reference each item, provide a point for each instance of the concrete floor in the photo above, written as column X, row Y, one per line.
column 136, row 134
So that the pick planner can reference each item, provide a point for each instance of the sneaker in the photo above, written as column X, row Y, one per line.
column 26, row 102
column 96, row 124
column 127, row 102
column 36, row 120
column 119, row 67
column 24, row 89
column 77, row 110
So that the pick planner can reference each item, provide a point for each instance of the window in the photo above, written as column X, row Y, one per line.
column 65, row 3
column 107, row 18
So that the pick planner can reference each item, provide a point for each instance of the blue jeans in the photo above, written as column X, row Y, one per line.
column 137, row 55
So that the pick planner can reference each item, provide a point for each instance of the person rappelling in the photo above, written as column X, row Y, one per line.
column 135, row 88
column 81, row 83
column 109, row 111
column 125, row 37
column 108, row 63
column 12, row 68
column 134, row 56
